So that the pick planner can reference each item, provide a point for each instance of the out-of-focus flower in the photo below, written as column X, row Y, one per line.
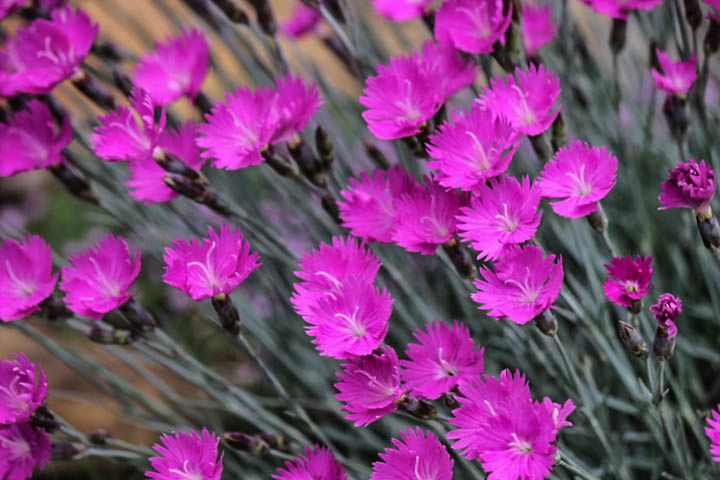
column 581, row 176
column 26, row 277
column 401, row 10
column 304, row 20
column 370, row 386
column 712, row 430
column 99, row 278
column 444, row 357
column 419, row 455
column 318, row 463
column 187, row 456
column 7, row 7
column 472, row 26
column 523, row 285
column 176, row 68
column 296, row 102
column 690, row 185
column 538, row 28
column 628, row 279
column 23, row 448
column 676, row 77
column 207, row 268
column 23, row 388
column 448, row 67
column 502, row 215
column 666, row 311
column 621, row 8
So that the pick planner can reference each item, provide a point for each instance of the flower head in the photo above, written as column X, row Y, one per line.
column 26, row 277
column 473, row 148
column 628, row 279
column 676, row 77
column 500, row 216
column 99, row 278
column 318, row 463
column 176, row 68
column 23, row 388
column 522, row 287
column 296, row 103
column 450, row 69
column 472, row 26
column 666, row 311
column 712, row 430
column 418, row 455
column 22, row 449
column 370, row 386
column 621, row 8
column 690, row 185
column 538, row 27
column 401, row 10
column 206, row 268
column 304, row 20
column 581, row 176
column 444, row 357
column 528, row 102
column 187, row 456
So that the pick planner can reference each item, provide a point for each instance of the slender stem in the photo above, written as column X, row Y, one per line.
column 570, row 370
column 660, row 382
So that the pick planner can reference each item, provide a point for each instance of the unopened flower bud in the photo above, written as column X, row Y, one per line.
column 227, row 314
column 663, row 345
column 111, row 337
column 122, row 82
column 44, row 418
column 709, row 231
column 243, row 442
column 417, row 407
column 460, row 258
column 377, row 157
column 204, row 103
column 275, row 441
column 558, row 133
column 107, row 50
column 451, row 401
column 330, row 205
column 173, row 164
column 541, row 146
column 196, row 191
column 99, row 437
column 598, row 220
column 66, row 450
column 308, row 163
column 547, row 323
column 139, row 318
column 618, row 35
column 281, row 164
column 324, row 147
column 74, row 181
column 55, row 309
column 94, row 90
column 632, row 340
column 676, row 115
column 712, row 38
column 693, row 14
column 265, row 17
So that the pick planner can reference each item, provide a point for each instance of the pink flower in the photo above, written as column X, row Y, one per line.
column 417, row 455
column 370, row 386
column 621, row 8
column 304, row 20
column 713, row 432
column 538, row 27
column 444, row 357
column 628, row 279
column 500, row 425
column 676, row 77
column 32, row 140
column 7, row 7
column 450, row 69
column 666, row 311
column 581, row 175
column 522, row 287
column 472, row 26
column 527, row 103
column 369, row 207
column 296, row 102
column 214, row 266
column 99, row 278
column 475, row 147
column 176, row 68
column 187, row 455
column 401, row 10
column 690, row 185
column 22, row 449
column 26, row 277
column 318, row 463
column 500, row 216
column 23, row 388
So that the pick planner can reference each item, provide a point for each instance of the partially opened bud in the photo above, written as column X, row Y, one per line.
column 632, row 340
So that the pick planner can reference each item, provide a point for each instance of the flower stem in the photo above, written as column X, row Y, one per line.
column 569, row 370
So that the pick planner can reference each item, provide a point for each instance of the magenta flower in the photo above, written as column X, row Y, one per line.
column 472, row 26
column 581, row 176
column 471, row 149
column 417, row 455
column 690, row 185
column 187, row 456
column 100, row 277
column 522, row 287
column 32, row 140
column 500, row 216
column 621, row 8
column 676, row 77
column 370, row 386
column 450, row 69
column 444, row 357
column 401, row 10
column 369, row 208
column 538, row 28
column 628, row 279
column 26, row 277
column 7, row 7
column 22, row 449
column 176, row 68
column 318, row 463
column 296, row 102
column 712, row 430
column 500, row 425
column 666, row 311
column 527, row 102
column 212, row 267
column 23, row 388
column 304, row 20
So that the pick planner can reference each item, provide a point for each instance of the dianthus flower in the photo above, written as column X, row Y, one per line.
column 676, row 77
column 210, row 267
column 527, row 102
column 369, row 208
column 401, row 10
column 304, row 20
column 538, row 28
column 449, row 68
column 26, row 277
column 7, row 7
column 32, row 141
column 22, row 449
column 318, row 463
column 690, row 185
column 473, row 148
column 712, row 430
column 500, row 216
column 99, row 278
column 472, row 26
column 523, row 285
column 176, row 68
column 628, row 279
column 620, row 9
column 370, row 386
column 187, row 456
column 666, row 311
column 23, row 388
column 500, row 425
column 296, row 102
column 418, row 455
column 444, row 357
column 581, row 176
